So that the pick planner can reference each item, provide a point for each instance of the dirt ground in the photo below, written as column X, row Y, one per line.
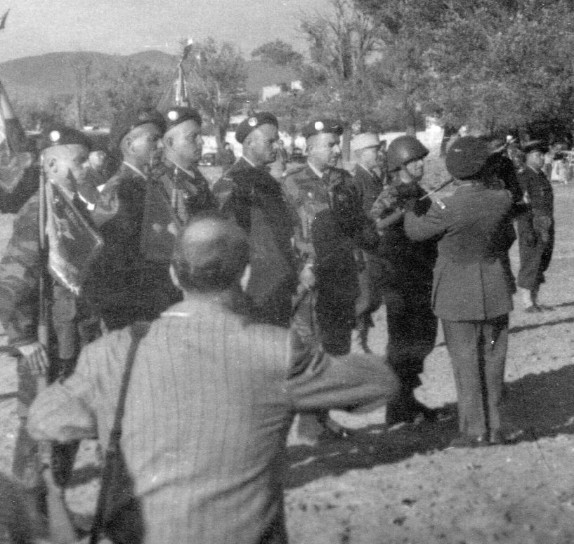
column 403, row 485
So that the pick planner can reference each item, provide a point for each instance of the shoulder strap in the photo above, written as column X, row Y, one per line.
column 138, row 331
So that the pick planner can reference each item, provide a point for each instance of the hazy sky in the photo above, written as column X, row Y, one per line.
column 128, row 26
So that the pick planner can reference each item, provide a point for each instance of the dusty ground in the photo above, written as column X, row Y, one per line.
column 403, row 486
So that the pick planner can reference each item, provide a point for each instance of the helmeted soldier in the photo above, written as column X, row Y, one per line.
column 407, row 279
column 130, row 281
column 249, row 195
column 331, row 231
column 64, row 154
column 185, row 186
column 535, row 226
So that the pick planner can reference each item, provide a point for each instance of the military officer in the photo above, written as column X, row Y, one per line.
column 471, row 290
column 184, row 184
column 130, row 281
column 331, row 231
column 535, row 226
column 249, row 195
column 366, row 150
column 64, row 155
column 407, row 277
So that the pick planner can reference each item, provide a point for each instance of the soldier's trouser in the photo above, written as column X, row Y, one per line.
column 412, row 328
column 534, row 260
column 478, row 353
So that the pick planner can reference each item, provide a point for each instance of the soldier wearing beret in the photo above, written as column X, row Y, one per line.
column 407, row 277
column 330, row 234
column 535, row 226
column 130, row 281
column 249, row 195
column 64, row 155
column 471, row 290
column 182, row 181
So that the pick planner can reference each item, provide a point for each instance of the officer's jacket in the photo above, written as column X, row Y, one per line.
column 188, row 194
column 539, row 191
column 331, row 228
column 254, row 200
column 20, row 270
column 470, row 280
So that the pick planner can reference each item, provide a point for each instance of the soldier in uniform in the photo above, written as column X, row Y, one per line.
column 249, row 195
column 407, row 278
column 366, row 149
column 471, row 291
column 73, row 321
column 331, row 232
column 130, row 281
column 535, row 226
column 184, row 184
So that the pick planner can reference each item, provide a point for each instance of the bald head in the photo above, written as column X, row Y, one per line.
column 210, row 254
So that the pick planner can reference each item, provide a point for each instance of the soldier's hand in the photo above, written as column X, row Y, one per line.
column 307, row 276
column 35, row 357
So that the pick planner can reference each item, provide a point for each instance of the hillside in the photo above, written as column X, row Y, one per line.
column 31, row 79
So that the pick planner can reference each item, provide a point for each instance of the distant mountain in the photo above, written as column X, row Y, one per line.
column 36, row 78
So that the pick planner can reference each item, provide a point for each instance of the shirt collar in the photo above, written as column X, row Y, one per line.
column 136, row 170
column 318, row 173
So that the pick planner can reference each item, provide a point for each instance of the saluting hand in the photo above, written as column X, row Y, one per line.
column 35, row 357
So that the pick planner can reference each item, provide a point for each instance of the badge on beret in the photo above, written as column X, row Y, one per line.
column 143, row 116
column 55, row 136
column 252, row 122
column 319, row 125
column 173, row 115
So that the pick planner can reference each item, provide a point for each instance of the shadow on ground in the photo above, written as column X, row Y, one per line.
column 535, row 406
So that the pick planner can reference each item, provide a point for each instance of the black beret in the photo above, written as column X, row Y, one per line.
column 55, row 135
column 131, row 119
column 466, row 157
column 252, row 122
column 178, row 114
column 535, row 145
column 327, row 126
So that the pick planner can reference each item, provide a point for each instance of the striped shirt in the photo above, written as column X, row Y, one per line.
column 208, row 408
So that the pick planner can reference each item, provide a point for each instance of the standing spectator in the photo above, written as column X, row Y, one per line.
column 535, row 227
column 471, row 293
column 407, row 278
column 205, row 449
column 366, row 149
column 249, row 195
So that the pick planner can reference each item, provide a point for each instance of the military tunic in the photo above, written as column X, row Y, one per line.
column 330, row 233
column 188, row 190
column 130, row 280
column 407, row 285
column 254, row 200
column 74, row 322
column 535, row 229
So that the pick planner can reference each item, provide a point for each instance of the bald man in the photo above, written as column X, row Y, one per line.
column 211, row 396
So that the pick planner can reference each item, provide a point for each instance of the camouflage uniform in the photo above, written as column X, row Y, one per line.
column 330, row 232
column 73, row 321
column 130, row 281
column 253, row 199
column 188, row 190
column 407, row 288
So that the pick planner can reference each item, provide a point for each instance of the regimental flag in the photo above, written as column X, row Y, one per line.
column 14, row 159
column 3, row 20
column 73, row 243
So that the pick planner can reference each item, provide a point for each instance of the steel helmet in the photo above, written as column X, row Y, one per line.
column 404, row 149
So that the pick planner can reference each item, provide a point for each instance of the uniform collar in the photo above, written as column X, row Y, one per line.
column 315, row 171
column 190, row 173
column 136, row 170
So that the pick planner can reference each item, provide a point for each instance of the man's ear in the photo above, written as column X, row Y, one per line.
column 245, row 277
column 173, row 277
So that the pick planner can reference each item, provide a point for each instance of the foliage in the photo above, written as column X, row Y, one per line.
column 278, row 52
column 217, row 76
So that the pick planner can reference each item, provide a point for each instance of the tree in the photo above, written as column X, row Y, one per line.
column 278, row 52
column 217, row 76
